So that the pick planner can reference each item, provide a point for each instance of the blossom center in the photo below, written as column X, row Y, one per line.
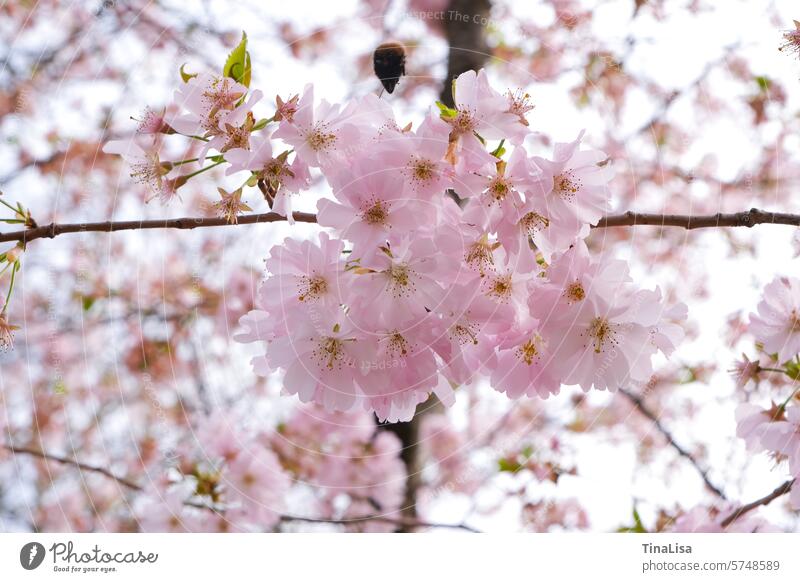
column 377, row 214
column 464, row 122
column 464, row 333
column 319, row 139
column 529, row 351
column 602, row 332
column 575, row 292
column 499, row 189
column 519, row 104
column 566, row 185
column 312, row 288
column 329, row 352
column 422, row 170
column 500, row 287
column 400, row 280
column 533, row 222
column 397, row 344
column 479, row 255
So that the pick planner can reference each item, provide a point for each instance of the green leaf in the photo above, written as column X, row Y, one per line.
column 508, row 466
column 792, row 369
column 763, row 82
column 446, row 112
column 237, row 67
column 184, row 75
column 260, row 124
column 499, row 150
column 87, row 302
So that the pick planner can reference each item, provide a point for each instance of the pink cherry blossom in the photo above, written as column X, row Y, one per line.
column 578, row 196
column 319, row 134
column 281, row 178
column 303, row 276
column 777, row 323
column 371, row 207
column 522, row 364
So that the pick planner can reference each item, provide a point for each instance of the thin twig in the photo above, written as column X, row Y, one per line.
column 74, row 463
column 642, row 407
column 405, row 523
column 747, row 218
column 782, row 489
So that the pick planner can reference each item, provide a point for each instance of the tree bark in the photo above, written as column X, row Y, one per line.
column 465, row 30
column 464, row 24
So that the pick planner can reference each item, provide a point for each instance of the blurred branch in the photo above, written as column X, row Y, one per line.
column 747, row 218
column 639, row 404
column 74, row 463
column 782, row 489
column 404, row 523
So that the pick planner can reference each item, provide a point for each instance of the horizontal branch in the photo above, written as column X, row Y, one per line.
column 73, row 462
column 54, row 229
column 748, row 218
column 406, row 523
column 782, row 489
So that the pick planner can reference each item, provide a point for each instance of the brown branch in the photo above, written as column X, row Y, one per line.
column 53, row 230
column 748, row 218
column 639, row 404
column 74, row 463
column 782, row 489
column 404, row 523
column 408, row 524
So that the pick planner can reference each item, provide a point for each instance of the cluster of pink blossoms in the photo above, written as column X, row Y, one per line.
column 776, row 326
column 450, row 251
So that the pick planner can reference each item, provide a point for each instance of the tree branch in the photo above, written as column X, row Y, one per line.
column 642, row 407
column 53, row 230
column 74, row 463
column 400, row 522
column 747, row 218
column 782, row 489
column 409, row 524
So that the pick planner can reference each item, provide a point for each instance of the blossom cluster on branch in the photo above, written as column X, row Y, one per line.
column 416, row 291
column 775, row 429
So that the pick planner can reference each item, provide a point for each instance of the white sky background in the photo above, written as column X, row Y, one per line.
column 674, row 53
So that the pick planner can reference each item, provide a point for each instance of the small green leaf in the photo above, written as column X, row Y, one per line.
column 237, row 67
column 186, row 76
column 260, row 124
column 499, row 150
column 446, row 112
column 763, row 82
column 87, row 302
column 792, row 369
column 508, row 466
